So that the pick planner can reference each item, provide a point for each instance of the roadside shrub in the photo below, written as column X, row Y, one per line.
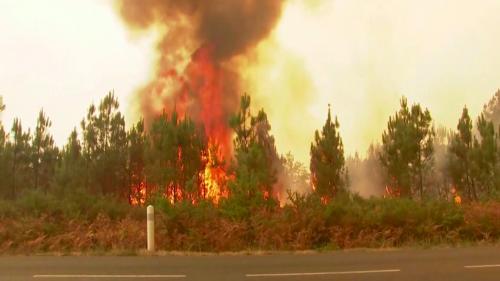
column 84, row 223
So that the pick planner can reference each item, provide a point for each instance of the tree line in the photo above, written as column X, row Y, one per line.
column 168, row 158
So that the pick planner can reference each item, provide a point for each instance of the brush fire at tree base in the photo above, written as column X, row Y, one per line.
column 189, row 166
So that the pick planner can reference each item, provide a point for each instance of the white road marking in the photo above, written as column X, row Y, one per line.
column 482, row 266
column 106, row 276
column 322, row 273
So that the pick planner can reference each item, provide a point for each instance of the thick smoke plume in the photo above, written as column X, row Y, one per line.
column 196, row 74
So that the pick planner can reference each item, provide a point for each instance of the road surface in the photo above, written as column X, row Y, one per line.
column 478, row 263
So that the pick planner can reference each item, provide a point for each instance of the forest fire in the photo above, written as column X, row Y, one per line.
column 199, row 97
column 213, row 181
column 214, row 175
column 203, row 86
column 197, row 73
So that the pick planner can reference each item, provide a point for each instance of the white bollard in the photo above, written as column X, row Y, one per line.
column 151, row 228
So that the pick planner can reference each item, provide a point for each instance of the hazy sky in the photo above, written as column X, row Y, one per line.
column 62, row 55
column 358, row 55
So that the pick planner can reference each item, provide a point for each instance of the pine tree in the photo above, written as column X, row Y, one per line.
column 135, row 165
column 174, row 157
column 18, row 158
column 407, row 149
column 4, row 170
column 193, row 144
column 327, row 160
column 44, row 156
column 264, row 140
column 461, row 162
column 105, row 148
column 485, row 155
column 69, row 175
column 257, row 161
column 89, row 148
column 491, row 110
column 241, row 124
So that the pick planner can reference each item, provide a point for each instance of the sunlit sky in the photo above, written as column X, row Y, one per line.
column 63, row 55
column 360, row 56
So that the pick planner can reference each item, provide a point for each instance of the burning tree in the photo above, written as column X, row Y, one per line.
column 135, row 164
column 174, row 157
column 174, row 160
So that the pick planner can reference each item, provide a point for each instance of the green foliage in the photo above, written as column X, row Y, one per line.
column 241, row 124
column 491, row 110
column 174, row 157
column 407, row 149
column 136, row 161
column 105, row 147
column 485, row 155
column 461, row 162
column 18, row 154
column 257, row 161
column 473, row 162
column 93, row 179
column 69, row 176
column 327, row 160
column 44, row 155
column 79, row 205
column 4, row 166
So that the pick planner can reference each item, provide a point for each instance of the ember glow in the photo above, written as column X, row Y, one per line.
column 138, row 194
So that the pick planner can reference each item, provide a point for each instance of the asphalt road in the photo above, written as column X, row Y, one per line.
column 479, row 263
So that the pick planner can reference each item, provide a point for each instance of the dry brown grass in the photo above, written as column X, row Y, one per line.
column 268, row 230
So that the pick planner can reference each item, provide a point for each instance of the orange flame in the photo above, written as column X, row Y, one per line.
column 391, row 192
column 456, row 198
column 138, row 195
column 214, row 175
column 200, row 93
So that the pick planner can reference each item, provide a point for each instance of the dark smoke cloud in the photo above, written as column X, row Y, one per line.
column 195, row 74
column 232, row 26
